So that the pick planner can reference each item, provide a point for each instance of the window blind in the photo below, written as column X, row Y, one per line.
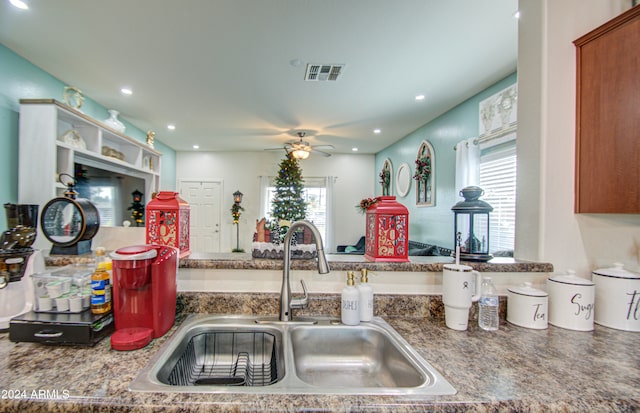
column 498, row 169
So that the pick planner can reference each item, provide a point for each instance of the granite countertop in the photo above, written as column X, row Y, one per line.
column 337, row 262
column 512, row 369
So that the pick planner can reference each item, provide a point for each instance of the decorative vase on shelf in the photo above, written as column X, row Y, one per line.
column 113, row 121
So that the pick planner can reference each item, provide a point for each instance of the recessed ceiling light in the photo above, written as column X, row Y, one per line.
column 126, row 91
column 196, row 146
column 377, row 131
column 354, row 149
column 19, row 4
column 171, row 126
column 420, row 97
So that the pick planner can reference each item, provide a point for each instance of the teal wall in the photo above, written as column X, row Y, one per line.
column 21, row 79
column 435, row 224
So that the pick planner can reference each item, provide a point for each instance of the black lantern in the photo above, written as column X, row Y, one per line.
column 471, row 232
column 137, row 208
column 237, row 197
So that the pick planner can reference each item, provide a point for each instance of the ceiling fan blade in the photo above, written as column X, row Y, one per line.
column 322, row 146
column 325, row 154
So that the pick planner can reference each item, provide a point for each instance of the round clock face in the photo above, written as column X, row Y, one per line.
column 66, row 221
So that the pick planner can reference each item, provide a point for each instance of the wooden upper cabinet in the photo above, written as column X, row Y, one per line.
column 608, row 117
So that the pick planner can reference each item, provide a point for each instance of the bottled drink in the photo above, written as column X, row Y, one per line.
column 488, row 304
column 100, row 285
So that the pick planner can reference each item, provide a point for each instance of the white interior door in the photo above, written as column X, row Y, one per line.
column 204, row 200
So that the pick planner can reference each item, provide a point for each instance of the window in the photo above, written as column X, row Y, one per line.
column 103, row 197
column 316, row 194
column 498, row 167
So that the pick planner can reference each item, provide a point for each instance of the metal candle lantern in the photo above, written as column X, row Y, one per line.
column 387, row 232
column 472, row 223
column 237, row 197
column 167, row 222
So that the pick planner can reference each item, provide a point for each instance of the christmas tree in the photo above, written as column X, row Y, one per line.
column 288, row 205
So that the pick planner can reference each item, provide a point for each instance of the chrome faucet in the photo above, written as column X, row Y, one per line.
column 287, row 303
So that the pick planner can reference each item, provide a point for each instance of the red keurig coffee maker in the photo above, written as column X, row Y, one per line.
column 144, row 294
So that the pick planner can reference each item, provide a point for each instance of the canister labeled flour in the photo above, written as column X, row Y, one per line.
column 617, row 298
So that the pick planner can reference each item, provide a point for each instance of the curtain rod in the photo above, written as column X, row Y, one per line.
column 495, row 135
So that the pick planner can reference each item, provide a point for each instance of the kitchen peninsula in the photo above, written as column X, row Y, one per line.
column 244, row 261
column 511, row 370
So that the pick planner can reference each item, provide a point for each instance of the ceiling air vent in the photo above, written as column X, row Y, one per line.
column 321, row 73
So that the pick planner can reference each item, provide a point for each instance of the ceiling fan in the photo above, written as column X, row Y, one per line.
column 300, row 149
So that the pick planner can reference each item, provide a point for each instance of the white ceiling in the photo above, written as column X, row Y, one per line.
column 222, row 72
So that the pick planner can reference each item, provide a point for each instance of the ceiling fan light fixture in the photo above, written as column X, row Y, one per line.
column 300, row 154
column 19, row 4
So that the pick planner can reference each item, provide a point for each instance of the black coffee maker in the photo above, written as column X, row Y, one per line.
column 22, row 221
column 15, row 261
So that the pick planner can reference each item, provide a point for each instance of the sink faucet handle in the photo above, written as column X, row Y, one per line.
column 301, row 302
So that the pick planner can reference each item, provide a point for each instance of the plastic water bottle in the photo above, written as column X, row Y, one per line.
column 489, row 304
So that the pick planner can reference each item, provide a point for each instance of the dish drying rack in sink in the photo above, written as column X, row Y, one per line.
column 227, row 359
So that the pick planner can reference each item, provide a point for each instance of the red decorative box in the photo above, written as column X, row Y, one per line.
column 167, row 222
column 387, row 234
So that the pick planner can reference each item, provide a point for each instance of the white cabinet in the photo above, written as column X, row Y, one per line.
column 54, row 136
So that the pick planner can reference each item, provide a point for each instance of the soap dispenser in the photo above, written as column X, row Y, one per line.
column 366, row 296
column 350, row 314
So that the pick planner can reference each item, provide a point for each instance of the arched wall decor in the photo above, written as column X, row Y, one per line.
column 386, row 178
column 425, row 175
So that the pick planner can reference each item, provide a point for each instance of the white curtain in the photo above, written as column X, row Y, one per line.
column 264, row 202
column 467, row 163
column 329, row 243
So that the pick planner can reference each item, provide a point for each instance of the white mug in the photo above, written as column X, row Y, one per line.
column 460, row 287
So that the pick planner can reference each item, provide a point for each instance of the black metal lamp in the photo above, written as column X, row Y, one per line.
column 237, row 197
column 235, row 212
column 471, row 230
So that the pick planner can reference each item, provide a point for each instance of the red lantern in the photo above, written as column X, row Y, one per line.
column 167, row 222
column 387, row 233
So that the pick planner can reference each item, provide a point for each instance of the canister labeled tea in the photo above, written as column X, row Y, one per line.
column 527, row 306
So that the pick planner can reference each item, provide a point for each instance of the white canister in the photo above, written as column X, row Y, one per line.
column 571, row 301
column 617, row 298
column 527, row 306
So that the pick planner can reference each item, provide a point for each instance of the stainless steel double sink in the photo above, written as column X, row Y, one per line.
column 242, row 354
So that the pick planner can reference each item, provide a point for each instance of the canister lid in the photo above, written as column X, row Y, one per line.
column 570, row 278
column 528, row 290
column 617, row 272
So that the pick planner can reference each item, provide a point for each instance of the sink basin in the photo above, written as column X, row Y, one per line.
column 225, row 356
column 243, row 354
column 353, row 357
